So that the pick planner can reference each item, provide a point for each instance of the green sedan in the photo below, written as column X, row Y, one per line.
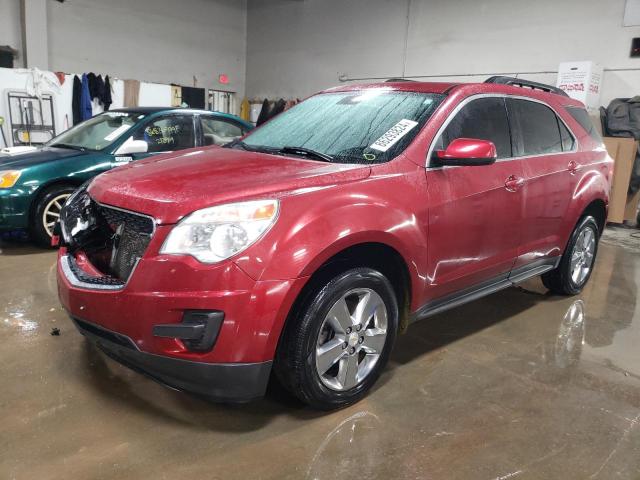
column 35, row 185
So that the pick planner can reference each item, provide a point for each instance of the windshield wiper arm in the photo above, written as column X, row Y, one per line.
column 66, row 145
column 307, row 152
column 250, row 148
column 236, row 143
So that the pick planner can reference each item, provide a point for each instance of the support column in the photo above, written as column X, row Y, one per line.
column 35, row 43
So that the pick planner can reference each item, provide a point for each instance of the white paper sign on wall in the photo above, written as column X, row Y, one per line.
column 631, row 13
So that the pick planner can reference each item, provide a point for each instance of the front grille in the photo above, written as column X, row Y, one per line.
column 113, row 240
column 131, row 236
column 134, row 221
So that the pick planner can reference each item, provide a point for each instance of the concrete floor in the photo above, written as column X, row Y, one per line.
column 517, row 385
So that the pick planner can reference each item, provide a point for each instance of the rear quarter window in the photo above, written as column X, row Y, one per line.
column 581, row 116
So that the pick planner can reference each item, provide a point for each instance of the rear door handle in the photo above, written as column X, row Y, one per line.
column 513, row 183
column 573, row 167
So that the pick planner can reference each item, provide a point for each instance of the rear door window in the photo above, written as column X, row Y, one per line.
column 482, row 119
column 216, row 131
column 536, row 128
column 568, row 142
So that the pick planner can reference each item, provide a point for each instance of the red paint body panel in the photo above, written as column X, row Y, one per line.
column 475, row 225
column 454, row 227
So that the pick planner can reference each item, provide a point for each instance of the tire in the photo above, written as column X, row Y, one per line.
column 565, row 279
column 49, row 204
column 322, row 364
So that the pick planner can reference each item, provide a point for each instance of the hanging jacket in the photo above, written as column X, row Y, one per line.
column 131, row 93
column 264, row 113
column 107, row 100
column 93, row 85
column 245, row 109
column 85, row 99
column 76, row 100
column 277, row 108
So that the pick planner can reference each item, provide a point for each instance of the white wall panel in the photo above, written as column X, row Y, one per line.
column 297, row 48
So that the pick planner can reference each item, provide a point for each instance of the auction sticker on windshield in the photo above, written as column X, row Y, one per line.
column 393, row 135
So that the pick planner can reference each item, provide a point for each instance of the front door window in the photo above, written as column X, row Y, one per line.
column 168, row 133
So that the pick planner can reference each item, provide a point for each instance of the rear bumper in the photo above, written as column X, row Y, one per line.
column 225, row 382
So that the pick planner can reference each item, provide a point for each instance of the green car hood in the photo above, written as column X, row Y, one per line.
column 44, row 155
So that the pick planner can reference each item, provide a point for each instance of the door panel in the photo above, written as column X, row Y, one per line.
column 548, row 147
column 475, row 212
column 474, row 224
column 547, row 196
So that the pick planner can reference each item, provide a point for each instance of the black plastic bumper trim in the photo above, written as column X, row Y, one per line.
column 198, row 331
column 223, row 382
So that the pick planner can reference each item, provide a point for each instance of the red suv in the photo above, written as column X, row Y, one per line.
column 305, row 247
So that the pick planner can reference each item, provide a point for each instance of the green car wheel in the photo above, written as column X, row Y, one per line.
column 47, row 212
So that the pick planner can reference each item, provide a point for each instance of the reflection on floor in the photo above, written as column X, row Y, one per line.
column 517, row 385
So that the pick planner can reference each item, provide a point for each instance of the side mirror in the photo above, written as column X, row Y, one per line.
column 132, row 146
column 467, row 151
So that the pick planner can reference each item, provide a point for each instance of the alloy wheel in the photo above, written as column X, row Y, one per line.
column 582, row 256
column 51, row 212
column 351, row 339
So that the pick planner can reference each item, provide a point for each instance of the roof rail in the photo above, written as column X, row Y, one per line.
column 520, row 82
column 398, row 80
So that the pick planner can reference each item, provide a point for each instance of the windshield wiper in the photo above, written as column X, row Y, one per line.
column 236, row 143
column 250, row 148
column 66, row 145
column 307, row 152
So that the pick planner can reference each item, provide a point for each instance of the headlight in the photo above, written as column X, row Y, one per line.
column 217, row 233
column 8, row 178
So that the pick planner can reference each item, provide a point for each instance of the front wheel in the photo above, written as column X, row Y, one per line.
column 334, row 350
column 577, row 262
column 47, row 213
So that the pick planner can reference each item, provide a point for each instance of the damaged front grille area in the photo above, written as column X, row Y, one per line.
column 112, row 240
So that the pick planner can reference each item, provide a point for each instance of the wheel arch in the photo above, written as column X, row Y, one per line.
column 598, row 209
column 37, row 195
column 379, row 256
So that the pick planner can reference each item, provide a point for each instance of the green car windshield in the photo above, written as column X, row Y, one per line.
column 98, row 132
column 367, row 126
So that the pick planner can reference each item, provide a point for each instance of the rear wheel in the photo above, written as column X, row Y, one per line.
column 47, row 213
column 577, row 261
column 333, row 352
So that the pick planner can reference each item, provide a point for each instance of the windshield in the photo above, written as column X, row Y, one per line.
column 98, row 132
column 366, row 126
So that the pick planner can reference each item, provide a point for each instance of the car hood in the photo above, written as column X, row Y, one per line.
column 172, row 186
column 29, row 159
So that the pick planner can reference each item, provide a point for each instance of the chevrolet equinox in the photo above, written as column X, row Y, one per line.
column 303, row 248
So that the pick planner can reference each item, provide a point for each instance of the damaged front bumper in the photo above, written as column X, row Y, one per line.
column 145, row 309
column 225, row 382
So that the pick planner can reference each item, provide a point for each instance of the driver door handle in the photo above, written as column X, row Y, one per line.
column 513, row 183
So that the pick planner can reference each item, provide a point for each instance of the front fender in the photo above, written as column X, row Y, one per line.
column 331, row 219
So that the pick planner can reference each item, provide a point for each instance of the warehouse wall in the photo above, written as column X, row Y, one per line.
column 154, row 40
column 10, row 32
column 298, row 47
